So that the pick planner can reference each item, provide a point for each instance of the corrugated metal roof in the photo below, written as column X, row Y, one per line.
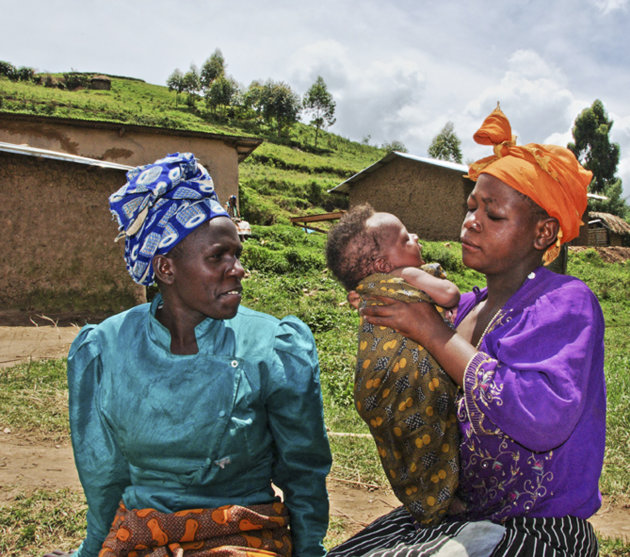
column 345, row 185
column 56, row 155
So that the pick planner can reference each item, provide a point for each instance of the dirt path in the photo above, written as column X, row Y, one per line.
column 26, row 465
column 21, row 344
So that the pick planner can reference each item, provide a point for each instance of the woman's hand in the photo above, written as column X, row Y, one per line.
column 418, row 321
column 421, row 322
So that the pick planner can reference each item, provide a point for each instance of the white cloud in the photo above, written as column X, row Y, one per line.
column 609, row 6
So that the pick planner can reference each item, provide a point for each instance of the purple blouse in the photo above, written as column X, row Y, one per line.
column 533, row 410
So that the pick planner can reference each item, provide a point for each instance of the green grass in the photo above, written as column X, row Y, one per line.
column 45, row 520
column 611, row 284
column 34, row 399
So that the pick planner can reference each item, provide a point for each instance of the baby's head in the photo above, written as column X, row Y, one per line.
column 365, row 242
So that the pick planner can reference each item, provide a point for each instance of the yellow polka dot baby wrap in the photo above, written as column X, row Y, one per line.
column 408, row 402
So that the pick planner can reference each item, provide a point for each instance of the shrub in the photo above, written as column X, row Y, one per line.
column 445, row 253
column 25, row 74
column 262, row 259
column 8, row 70
column 74, row 80
column 303, row 261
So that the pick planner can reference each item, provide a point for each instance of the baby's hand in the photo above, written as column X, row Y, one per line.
column 354, row 299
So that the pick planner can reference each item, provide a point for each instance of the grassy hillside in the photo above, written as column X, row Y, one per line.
column 285, row 176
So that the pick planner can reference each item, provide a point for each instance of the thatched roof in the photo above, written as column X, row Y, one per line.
column 612, row 222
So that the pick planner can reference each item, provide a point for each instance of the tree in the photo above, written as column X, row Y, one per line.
column 613, row 202
column 318, row 102
column 394, row 145
column 221, row 92
column 592, row 147
column 278, row 102
column 213, row 68
column 446, row 145
column 175, row 82
column 253, row 97
column 191, row 83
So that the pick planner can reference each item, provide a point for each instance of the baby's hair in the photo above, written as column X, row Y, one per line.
column 351, row 248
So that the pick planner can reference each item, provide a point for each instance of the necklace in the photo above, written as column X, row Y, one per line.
column 489, row 327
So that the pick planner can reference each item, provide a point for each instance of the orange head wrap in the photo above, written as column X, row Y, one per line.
column 549, row 175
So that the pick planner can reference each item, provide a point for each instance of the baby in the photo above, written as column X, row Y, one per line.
column 400, row 391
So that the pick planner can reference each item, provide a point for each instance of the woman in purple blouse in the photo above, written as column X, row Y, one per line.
column 528, row 354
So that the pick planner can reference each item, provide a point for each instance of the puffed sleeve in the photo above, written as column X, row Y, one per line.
column 103, row 470
column 295, row 411
column 533, row 375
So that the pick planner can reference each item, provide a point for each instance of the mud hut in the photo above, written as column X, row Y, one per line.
column 605, row 229
column 428, row 195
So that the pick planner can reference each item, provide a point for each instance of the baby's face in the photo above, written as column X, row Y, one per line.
column 399, row 247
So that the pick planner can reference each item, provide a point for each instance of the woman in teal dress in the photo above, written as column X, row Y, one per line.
column 183, row 411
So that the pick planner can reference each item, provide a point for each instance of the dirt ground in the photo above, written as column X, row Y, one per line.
column 26, row 465
column 609, row 254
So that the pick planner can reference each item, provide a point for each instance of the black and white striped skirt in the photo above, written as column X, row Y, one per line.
column 397, row 535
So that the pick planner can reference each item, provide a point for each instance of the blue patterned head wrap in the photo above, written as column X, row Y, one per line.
column 161, row 204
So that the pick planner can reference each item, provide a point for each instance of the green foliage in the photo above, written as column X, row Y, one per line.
column 213, row 68
column 614, row 202
column 175, row 82
column 319, row 104
column 592, row 145
column 609, row 282
column 191, row 82
column 274, row 101
column 394, row 145
column 8, row 70
column 446, row 145
column 613, row 547
column 284, row 250
column 221, row 92
column 75, row 80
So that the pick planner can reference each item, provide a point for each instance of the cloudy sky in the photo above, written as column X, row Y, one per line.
column 398, row 70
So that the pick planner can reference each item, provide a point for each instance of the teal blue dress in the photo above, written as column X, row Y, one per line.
column 173, row 432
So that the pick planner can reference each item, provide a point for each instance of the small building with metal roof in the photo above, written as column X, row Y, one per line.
column 59, row 258
column 56, row 175
column 427, row 195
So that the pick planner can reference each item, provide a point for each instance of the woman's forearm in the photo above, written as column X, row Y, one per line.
column 451, row 351
column 422, row 323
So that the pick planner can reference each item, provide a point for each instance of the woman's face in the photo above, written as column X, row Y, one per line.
column 207, row 272
column 499, row 230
